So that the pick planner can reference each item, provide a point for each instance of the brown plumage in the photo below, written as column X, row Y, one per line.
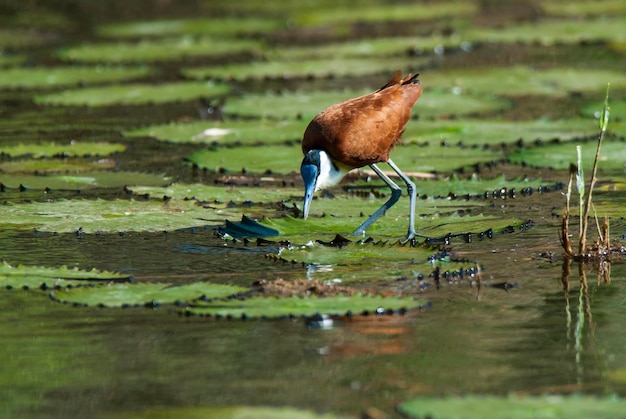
column 363, row 130
column 356, row 133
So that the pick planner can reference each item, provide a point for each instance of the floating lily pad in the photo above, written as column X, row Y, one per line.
column 283, row 159
column 75, row 165
column 217, row 194
column 394, row 224
column 306, row 105
column 70, row 149
column 475, row 186
column 117, row 215
column 118, row 295
column 269, row 307
column 383, row 261
column 64, row 76
column 579, row 8
column 553, row 406
column 495, row 132
column 158, row 50
column 334, row 66
column 561, row 155
column 374, row 256
column 36, row 124
column 554, row 31
column 395, row 47
column 519, row 80
column 134, row 94
column 222, row 26
column 380, row 13
column 34, row 276
column 83, row 180
column 226, row 132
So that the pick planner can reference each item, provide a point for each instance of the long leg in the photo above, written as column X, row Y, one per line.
column 395, row 195
column 410, row 187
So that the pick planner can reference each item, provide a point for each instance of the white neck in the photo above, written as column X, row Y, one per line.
column 330, row 173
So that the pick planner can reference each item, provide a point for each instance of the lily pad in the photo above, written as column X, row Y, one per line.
column 84, row 180
column 456, row 186
column 221, row 26
column 75, row 165
column 521, row 80
column 554, row 31
column 134, row 94
column 380, row 13
column 158, row 50
column 283, row 159
column 34, row 276
column 370, row 47
column 118, row 295
column 393, row 225
column 269, row 307
column 227, row 132
column 70, row 149
column 553, row 406
column 305, row 105
column 365, row 255
column 217, row 194
column 584, row 8
column 561, row 155
column 470, row 132
column 301, row 68
column 119, row 215
column 30, row 78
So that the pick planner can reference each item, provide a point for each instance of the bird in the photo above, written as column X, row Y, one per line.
column 356, row 133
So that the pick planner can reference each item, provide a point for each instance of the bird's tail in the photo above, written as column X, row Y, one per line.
column 397, row 79
column 411, row 79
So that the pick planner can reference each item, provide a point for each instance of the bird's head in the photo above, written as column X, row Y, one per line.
column 318, row 172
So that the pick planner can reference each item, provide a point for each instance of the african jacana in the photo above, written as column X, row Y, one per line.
column 356, row 133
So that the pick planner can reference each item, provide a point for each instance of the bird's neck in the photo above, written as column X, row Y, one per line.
column 331, row 173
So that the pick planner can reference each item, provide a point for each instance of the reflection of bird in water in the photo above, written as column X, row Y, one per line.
column 356, row 133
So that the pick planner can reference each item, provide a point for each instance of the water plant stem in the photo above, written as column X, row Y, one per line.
column 604, row 120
